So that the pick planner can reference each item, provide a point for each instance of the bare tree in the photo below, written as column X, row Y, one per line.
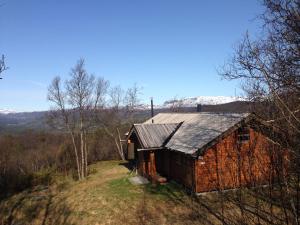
column 176, row 104
column 3, row 66
column 119, row 115
column 132, row 98
column 114, row 117
column 269, row 68
column 116, row 97
column 75, row 105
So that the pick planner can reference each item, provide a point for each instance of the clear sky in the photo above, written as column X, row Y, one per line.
column 168, row 47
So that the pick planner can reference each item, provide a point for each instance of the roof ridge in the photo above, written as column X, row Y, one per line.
column 171, row 135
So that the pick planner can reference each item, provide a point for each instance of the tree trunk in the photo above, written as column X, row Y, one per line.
column 82, row 149
column 121, row 146
column 85, row 153
column 76, row 154
column 118, row 144
column 119, row 149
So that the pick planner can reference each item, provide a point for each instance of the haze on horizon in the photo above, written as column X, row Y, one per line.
column 169, row 48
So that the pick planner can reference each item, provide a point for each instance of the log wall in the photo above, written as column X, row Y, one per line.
column 230, row 164
column 182, row 169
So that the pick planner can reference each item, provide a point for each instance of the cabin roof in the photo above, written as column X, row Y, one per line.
column 196, row 133
column 187, row 132
column 154, row 135
column 165, row 118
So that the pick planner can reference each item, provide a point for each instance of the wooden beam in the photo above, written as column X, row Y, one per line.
column 152, row 164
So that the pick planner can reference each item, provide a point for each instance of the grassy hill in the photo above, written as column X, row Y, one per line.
column 106, row 197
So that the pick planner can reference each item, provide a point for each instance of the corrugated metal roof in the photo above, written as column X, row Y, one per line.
column 197, row 130
column 202, row 129
column 154, row 135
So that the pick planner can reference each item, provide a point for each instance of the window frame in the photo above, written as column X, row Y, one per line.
column 243, row 134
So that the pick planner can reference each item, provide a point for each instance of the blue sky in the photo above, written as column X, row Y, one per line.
column 168, row 47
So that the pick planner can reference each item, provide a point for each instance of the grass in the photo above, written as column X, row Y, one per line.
column 107, row 197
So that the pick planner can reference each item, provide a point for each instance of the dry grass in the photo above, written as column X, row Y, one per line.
column 107, row 197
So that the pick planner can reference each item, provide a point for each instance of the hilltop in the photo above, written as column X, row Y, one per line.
column 105, row 197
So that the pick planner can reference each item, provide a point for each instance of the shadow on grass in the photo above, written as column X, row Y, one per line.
column 169, row 191
column 193, row 210
column 35, row 207
column 205, row 209
column 129, row 165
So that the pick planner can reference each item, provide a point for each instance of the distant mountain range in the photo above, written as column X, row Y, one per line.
column 194, row 101
column 203, row 100
column 19, row 121
column 183, row 102
column 12, row 121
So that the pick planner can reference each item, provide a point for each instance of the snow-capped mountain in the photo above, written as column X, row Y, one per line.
column 193, row 101
column 183, row 102
column 7, row 111
column 203, row 100
column 14, row 121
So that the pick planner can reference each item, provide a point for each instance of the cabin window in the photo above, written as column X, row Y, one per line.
column 243, row 134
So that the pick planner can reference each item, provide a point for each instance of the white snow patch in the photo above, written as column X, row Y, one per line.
column 7, row 111
column 205, row 100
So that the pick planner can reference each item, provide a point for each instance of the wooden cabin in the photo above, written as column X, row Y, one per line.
column 202, row 151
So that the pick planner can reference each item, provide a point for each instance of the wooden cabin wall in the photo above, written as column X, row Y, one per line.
column 146, row 164
column 175, row 165
column 230, row 164
column 181, row 168
column 141, row 163
column 152, row 162
column 161, row 160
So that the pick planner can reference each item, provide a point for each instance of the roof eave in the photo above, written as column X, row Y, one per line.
column 133, row 129
column 148, row 149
